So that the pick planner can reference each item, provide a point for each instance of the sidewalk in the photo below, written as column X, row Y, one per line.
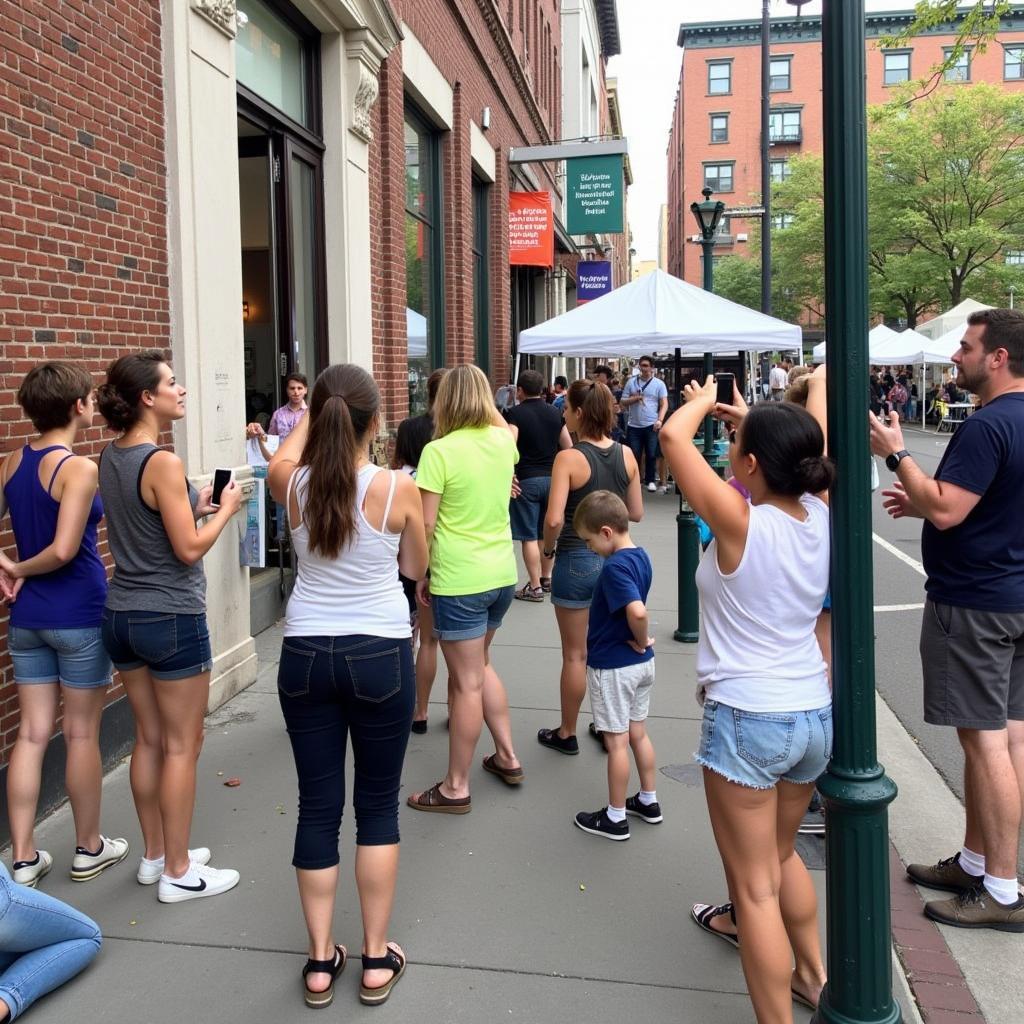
column 508, row 913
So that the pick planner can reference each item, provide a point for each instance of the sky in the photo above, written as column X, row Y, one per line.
column 648, row 75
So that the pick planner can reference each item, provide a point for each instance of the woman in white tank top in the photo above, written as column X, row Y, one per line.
column 767, row 729
column 346, row 664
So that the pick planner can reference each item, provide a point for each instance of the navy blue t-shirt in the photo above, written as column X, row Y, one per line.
column 980, row 563
column 625, row 577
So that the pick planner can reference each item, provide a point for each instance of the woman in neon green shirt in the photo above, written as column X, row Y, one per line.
column 465, row 477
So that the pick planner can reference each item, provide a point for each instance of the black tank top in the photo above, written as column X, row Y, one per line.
column 607, row 473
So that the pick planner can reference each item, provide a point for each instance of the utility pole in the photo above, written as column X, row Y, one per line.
column 766, row 173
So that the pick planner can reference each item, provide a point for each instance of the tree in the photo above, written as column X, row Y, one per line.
column 739, row 280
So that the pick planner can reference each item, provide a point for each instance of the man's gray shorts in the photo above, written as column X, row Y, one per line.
column 619, row 696
column 973, row 663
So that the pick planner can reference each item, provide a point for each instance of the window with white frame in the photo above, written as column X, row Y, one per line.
column 959, row 70
column 780, row 74
column 1013, row 62
column 780, row 171
column 781, row 221
column 897, row 67
column 718, row 177
column 719, row 77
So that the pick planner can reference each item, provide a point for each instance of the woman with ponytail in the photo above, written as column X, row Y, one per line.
column 596, row 463
column 767, row 729
column 346, row 665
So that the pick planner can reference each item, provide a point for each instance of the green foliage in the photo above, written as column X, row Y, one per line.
column 739, row 280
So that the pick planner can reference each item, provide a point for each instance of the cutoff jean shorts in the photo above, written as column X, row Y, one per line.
column 468, row 616
column 761, row 748
column 72, row 657
column 574, row 578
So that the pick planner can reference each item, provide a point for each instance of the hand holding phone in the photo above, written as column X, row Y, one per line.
column 221, row 479
column 726, row 383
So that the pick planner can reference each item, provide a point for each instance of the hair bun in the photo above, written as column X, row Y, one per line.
column 815, row 473
column 114, row 408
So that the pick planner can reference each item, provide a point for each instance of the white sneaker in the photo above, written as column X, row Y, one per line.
column 664, row 489
column 87, row 865
column 28, row 872
column 652, row 487
column 200, row 880
column 150, row 870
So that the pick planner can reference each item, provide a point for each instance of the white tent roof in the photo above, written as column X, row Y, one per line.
column 877, row 337
column 955, row 317
column 909, row 347
column 658, row 313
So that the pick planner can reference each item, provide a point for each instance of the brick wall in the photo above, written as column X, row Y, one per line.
column 83, row 242
column 502, row 54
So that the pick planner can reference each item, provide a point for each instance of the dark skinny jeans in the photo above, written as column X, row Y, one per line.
column 330, row 687
column 644, row 442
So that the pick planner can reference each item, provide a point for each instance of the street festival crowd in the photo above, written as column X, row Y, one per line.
column 426, row 549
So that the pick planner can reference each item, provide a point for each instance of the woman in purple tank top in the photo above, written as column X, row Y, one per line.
column 54, row 632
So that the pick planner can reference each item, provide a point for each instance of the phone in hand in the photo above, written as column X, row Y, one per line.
column 726, row 383
column 221, row 478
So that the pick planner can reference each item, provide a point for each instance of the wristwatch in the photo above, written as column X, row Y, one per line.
column 893, row 461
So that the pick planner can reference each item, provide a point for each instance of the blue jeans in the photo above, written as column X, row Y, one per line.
column 74, row 657
column 330, row 687
column 171, row 646
column 644, row 441
column 468, row 616
column 574, row 578
column 43, row 943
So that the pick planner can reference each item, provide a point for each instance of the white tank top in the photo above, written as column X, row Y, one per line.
column 356, row 593
column 757, row 649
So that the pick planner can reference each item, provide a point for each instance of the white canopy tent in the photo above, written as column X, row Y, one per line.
column 955, row 317
column 877, row 337
column 416, row 333
column 912, row 348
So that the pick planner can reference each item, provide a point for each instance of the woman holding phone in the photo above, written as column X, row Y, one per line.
column 154, row 623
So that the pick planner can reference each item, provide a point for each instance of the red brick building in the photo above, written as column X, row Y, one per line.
column 716, row 127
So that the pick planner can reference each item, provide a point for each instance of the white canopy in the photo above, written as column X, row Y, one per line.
column 658, row 313
column 416, row 333
column 910, row 347
column 955, row 317
column 877, row 337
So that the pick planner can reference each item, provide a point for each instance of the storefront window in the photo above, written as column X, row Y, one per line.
column 271, row 60
column 481, row 277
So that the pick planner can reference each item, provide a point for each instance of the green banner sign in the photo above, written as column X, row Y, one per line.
column 594, row 188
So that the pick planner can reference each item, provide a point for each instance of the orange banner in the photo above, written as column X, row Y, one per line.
column 531, row 229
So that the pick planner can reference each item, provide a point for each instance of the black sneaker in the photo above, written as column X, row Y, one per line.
column 597, row 824
column 651, row 813
column 550, row 738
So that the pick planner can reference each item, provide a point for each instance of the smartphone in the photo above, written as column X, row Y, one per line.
column 221, row 478
column 726, row 382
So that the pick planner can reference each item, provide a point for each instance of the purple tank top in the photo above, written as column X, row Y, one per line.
column 71, row 597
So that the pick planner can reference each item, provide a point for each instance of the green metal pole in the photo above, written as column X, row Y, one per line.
column 708, row 245
column 855, row 787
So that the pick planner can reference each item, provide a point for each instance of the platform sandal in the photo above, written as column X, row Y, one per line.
column 392, row 960
column 333, row 967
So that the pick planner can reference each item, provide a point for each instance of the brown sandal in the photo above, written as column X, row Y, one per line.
column 510, row 776
column 435, row 801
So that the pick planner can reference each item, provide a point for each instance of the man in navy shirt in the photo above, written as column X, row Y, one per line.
column 972, row 635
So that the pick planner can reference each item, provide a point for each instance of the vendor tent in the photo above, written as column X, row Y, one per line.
column 911, row 348
column 877, row 337
column 955, row 317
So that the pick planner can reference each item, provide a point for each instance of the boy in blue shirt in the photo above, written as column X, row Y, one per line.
column 620, row 664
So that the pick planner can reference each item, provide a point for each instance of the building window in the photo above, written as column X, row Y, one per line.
column 781, row 221
column 1015, row 258
column 718, row 177
column 784, row 126
column 779, row 71
column 423, row 255
column 481, row 277
column 719, row 77
column 897, row 67
column 779, row 170
column 960, row 69
column 719, row 127
column 1013, row 63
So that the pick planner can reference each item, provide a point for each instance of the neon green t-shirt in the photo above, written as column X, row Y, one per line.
column 471, row 469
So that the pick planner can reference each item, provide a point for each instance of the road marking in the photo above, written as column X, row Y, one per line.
column 898, row 607
column 896, row 553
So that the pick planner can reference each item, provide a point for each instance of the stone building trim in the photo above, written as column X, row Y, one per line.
column 222, row 14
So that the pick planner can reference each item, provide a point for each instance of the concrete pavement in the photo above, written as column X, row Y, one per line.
column 508, row 913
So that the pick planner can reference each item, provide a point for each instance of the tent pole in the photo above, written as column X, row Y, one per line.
column 923, row 400
column 515, row 376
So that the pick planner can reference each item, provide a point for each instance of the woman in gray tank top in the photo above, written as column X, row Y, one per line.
column 154, row 623
column 596, row 463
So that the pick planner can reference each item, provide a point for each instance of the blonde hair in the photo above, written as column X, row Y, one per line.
column 464, row 400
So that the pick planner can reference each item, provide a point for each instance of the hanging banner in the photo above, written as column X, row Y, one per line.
column 531, row 229
column 593, row 279
column 593, row 195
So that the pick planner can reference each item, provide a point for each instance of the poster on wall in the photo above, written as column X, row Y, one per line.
column 593, row 279
column 531, row 229
column 252, row 548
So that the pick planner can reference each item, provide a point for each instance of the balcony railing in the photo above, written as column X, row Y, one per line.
column 785, row 135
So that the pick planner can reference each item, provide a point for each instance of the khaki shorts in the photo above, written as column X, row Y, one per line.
column 619, row 696
column 973, row 664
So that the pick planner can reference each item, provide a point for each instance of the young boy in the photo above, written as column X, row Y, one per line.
column 620, row 664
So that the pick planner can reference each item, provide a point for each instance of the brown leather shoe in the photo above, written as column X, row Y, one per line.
column 947, row 875
column 977, row 908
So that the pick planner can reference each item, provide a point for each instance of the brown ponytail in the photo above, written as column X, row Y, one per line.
column 594, row 404
column 342, row 406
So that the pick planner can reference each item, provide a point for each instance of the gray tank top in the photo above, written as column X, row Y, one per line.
column 607, row 473
column 148, row 575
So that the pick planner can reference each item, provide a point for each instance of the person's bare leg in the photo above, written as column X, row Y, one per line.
column 973, row 838
column 182, row 704
column 466, row 668
column 1015, row 734
column 147, row 763
column 531, row 559
column 37, row 705
column 617, row 745
column 83, row 774
column 426, row 663
column 376, row 873
column 798, row 899
column 572, row 627
column 317, row 890
column 823, row 634
column 744, row 823
column 546, row 564
column 999, row 813
column 495, row 709
column 643, row 755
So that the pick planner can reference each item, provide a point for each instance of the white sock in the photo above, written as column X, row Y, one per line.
column 616, row 814
column 158, row 863
column 190, row 875
column 973, row 863
column 1004, row 890
column 648, row 796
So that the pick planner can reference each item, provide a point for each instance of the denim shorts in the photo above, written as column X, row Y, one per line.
column 470, row 615
column 526, row 512
column 170, row 646
column 74, row 657
column 574, row 577
column 760, row 748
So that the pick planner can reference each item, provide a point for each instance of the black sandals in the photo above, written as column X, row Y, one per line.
column 333, row 967
column 392, row 960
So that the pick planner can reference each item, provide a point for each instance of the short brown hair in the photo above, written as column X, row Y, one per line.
column 1004, row 328
column 593, row 403
column 601, row 508
column 433, row 383
column 531, row 382
column 49, row 391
